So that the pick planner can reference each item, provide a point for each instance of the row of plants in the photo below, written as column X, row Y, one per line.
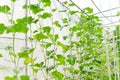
column 78, row 54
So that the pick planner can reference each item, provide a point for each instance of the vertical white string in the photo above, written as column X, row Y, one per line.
column 26, row 37
column 113, row 42
column 105, row 36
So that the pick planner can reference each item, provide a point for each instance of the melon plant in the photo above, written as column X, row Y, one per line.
column 57, row 47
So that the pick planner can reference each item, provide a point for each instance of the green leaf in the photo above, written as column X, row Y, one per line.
column 12, row 54
column 46, row 29
column 49, row 53
column 74, row 28
column 26, row 20
column 28, row 60
column 48, row 45
column 35, row 9
column 40, row 36
column 53, row 10
column 73, row 12
column 19, row 27
column 65, row 2
column 13, row 0
column 61, row 59
column 4, row 9
column 2, row 28
column 35, row 31
column 45, row 15
column 10, row 78
column 35, row 69
column 35, row 21
column 39, row 64
column 25, row 6
column 31, row 50
column 46, row 2
column 65, row 20
column 118, row 14
column 64, row 47
column 23, row 55
column 57, row 75
column 71, row 4
column 24, row 77
column 89, row 10
column 62, row 10
column 71, row 59
column 57, row 24
column 1, row 55
column 76, row 71
column 56, row 37
column 64, row 37
column 29, row 20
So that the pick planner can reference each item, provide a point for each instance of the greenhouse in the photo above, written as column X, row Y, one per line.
column 59, row 39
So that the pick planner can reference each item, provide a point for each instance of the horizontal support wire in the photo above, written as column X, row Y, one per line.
column 22, row 39
column 110, row 16
column 100, row 12
column 111, row 22
column 11, row 38
column 106, row 10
